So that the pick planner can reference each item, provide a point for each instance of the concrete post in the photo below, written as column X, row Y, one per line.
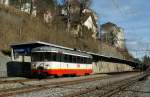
column 12, row 55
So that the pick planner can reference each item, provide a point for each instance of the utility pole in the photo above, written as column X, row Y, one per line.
column 31, row 6
column 101, row 49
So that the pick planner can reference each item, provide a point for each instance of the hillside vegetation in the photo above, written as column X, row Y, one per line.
column 17, row 26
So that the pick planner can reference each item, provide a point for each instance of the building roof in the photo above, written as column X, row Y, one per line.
column 36, row 44
column 27, row 47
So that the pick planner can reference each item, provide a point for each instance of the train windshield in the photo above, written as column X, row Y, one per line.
column 41, row 56
column 45, row 56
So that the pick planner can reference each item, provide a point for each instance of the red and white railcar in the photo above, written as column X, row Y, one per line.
column 58, row 62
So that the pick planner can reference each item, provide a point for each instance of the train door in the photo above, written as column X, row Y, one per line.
column 66, row 64
column 63, row 64
column 59, row 61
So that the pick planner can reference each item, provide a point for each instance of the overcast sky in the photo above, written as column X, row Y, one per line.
column 132, row 15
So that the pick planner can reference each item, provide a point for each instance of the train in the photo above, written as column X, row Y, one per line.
column 53, row 61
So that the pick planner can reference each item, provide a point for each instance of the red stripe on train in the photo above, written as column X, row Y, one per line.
column 64, row 71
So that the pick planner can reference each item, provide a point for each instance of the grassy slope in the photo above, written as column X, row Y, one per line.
column 16, row 26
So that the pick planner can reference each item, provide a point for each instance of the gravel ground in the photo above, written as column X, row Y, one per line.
column 66, row 90
column 38, row 82
column 146, row 88
column 12, row 78
column 133, row 91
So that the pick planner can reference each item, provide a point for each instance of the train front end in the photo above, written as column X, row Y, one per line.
column 40, row 65
column 40, row 68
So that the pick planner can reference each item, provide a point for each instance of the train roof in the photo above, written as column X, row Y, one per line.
column 60, row 50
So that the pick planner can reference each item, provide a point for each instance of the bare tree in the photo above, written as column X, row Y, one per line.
column 44, row 5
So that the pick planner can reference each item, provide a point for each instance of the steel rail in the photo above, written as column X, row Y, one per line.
column 31, row 88
column 122, row 85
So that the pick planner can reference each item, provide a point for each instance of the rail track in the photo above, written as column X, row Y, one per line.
column 2, row 81
column 32, row 88
column 109, row 89
column 16, row 81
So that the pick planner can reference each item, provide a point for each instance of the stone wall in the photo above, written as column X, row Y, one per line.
column 108, row 67
column 3, row 65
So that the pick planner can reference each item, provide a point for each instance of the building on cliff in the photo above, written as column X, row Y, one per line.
column 75, row 12
column 113, row 35
column 23, row 5
column 89, row 21
column 79, row 17
column 41, row 8
column 5, row 2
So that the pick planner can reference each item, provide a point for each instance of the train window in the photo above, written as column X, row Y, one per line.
column 54, row 56
column 85, row 60
column 38, row 56
column 70, row 58
column 82, row 59
column 66, row 58
column 58, row 57
column 74, row 59
column 89, row 60
column 62, row 58
column 48, row 56
column 78, row 59
column 33, row 56
column 45, row 56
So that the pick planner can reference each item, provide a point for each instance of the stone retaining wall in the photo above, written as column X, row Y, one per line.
column 108, row 67
column 3, row 65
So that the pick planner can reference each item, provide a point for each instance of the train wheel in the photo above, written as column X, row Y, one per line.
column 42, row 75
column 57, row 76
column 86, row 74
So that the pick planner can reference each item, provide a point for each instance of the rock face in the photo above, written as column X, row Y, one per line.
column 3, row 65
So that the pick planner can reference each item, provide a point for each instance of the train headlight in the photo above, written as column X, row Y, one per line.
column 47, row 65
